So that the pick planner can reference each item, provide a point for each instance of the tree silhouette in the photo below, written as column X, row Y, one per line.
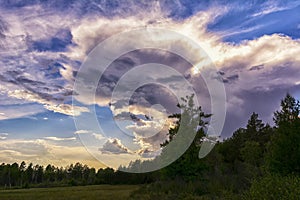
column 284, row 149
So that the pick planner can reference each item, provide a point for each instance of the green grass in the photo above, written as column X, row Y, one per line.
column 98, row 192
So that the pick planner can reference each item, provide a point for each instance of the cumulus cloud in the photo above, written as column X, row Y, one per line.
column 114, row 146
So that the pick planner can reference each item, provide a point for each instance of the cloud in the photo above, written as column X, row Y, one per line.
column 99, row 136
column 148, row 153
column 67, row 109
column 45, row 151
column 146, row 128
column 21, row 149
column 274, row 6
column 30, row 60
column 50, row 105
column 259, row 51
column 256, row 67
column 60, row 139
column 3, row 136
column 89, row 132
column 20, row 111
column 81, row 132
column 250, row 65
column 75, row 37
column 114, row 146
column 42, row 47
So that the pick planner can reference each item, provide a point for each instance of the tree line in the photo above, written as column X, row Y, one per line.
column 24, row 176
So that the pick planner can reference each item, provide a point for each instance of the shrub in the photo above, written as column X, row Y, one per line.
column 274, row 187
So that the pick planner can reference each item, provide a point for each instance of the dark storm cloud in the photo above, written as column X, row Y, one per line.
column 230, row 76
column 263, row 102
column 155, row 94
column 227, row 79
column 150, row 94
column 259, row 91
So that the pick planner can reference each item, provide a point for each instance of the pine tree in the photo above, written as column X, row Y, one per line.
column 284, row 150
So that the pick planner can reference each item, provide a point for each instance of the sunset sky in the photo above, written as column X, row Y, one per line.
column 254, row 45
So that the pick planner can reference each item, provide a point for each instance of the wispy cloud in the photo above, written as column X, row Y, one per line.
column 274, row 6
column 60, row 139
column 48, row 104
column 81, row 132
column 17, row 111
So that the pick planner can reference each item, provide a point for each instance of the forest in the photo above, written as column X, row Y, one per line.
column 258, row 161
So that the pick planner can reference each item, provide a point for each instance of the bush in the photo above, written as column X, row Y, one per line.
column 274, row 187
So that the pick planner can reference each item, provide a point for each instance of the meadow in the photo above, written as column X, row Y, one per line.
column 99, row 192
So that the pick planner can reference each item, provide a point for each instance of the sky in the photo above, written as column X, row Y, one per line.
column 253, row 45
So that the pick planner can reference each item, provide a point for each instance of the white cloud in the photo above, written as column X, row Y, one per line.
column 272, row 6
column 81, row 132
column 3, row 136
column 20, row 149
column 67, row 109
column 19, row 111
column 50, row 105
column 114, row 146
column 60, row 139
column 99, row 136
column 148, row 128
column 269, row 49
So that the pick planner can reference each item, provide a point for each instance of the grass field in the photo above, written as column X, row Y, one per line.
column 99, row 192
